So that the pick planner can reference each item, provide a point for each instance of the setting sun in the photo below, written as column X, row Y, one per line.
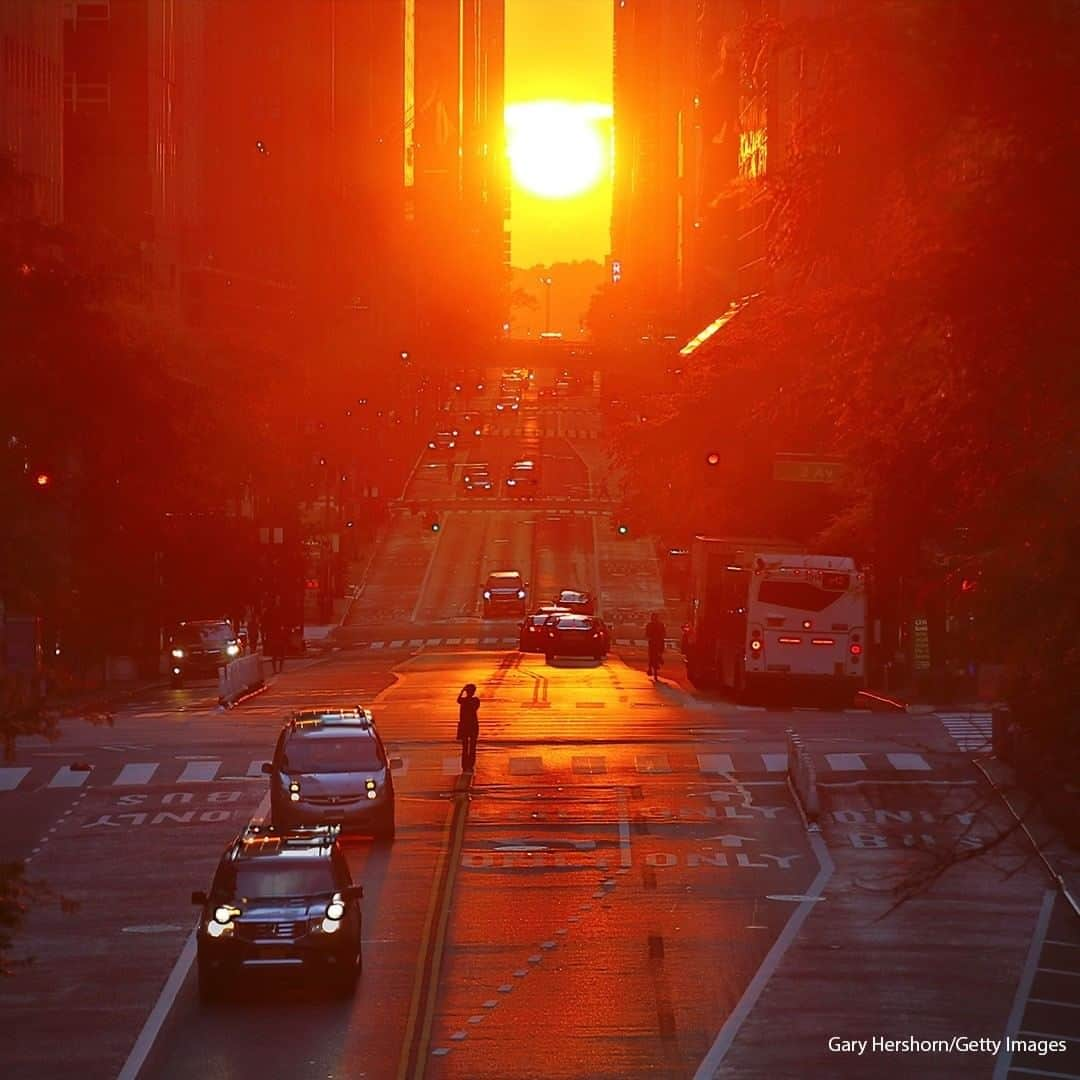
column 556, row 149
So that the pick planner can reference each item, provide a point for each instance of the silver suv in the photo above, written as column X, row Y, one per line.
column 330, row 768
column 504, row 591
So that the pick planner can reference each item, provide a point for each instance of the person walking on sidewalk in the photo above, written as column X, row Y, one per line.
column 655, row 635
column 468, row 728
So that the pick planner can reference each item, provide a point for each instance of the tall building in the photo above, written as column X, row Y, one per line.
column 31, row 110
column 131, row 121
column 775, row 85
column 653, row 93
column 302, row 177
column 457, row 188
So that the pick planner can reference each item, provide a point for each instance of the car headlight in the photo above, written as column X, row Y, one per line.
column 511, row 482
column 335, row 909
column 487, row 594
column 431, row 446
column 178, row 654
column 451, row 444
column 521, row 594
column 476, row 431
column 294, row 791
column 225, row 913
column 233, row 650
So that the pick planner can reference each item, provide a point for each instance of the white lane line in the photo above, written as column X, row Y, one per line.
column 726, row 1036
column 625, row 859
column 10, row 779
column 910, row 762
column 1023, row 988
column 67, row 777
column 169, row 992
column 775, row 762
column 717, row 763
column 198, row 772
column 846, row 762
column 136, row 773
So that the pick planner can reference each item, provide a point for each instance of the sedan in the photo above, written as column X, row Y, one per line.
column 577, row 600
column 576, row 635
column 533, row 632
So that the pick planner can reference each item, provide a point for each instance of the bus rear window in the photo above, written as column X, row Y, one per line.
column 800, row 595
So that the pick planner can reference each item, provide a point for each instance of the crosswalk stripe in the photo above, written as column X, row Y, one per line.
column 715, row 763
column 846, row 762
column 416, row 643
column 255, row 768
column 526, row 766
column 453, row 641
column 198, row 772
column 397, row 643
column 66, row 777
column 10, row 779
column 377, row 645
column 775, row 762
column 911, row 762
column 652, row 763
column 451, row 766
column 589, row 764
column 136, row 773
column 433, row 641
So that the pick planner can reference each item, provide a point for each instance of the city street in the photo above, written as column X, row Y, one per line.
column 624, row 887
column 538, row 540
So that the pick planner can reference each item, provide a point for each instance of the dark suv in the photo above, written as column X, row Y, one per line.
column 200, row 647
column 504, row 591
column 280, row 900
column 330, row 768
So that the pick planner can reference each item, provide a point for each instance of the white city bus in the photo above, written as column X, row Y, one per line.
column 794, row 622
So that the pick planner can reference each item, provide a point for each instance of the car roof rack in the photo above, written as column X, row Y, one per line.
column 357, row 716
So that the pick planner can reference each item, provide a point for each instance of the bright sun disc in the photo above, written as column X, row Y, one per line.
column 554, row 147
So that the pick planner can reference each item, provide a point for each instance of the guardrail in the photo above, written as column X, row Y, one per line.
column 239, row 678
column 802, row 779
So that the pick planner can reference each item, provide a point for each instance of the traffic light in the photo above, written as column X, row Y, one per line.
column 712, row 458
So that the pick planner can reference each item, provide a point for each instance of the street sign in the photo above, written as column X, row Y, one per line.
column 800, row 470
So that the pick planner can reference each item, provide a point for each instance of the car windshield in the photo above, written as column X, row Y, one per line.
column 204, row 635
column 279, row 879
column 332, row 755
column 568, row 597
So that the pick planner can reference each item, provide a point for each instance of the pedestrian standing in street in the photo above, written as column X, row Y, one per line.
column 276, row 638
column 253, row 630
column 468, row 728
column 655, row 635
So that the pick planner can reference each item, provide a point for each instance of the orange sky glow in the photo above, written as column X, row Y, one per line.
column 559, row 51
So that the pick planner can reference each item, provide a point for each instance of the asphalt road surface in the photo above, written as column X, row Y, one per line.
column 624, row 888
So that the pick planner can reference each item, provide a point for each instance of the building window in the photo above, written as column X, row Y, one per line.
column 85, row 96
column 77, row 11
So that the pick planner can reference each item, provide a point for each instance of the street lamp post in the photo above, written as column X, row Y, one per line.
column 546, row 282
